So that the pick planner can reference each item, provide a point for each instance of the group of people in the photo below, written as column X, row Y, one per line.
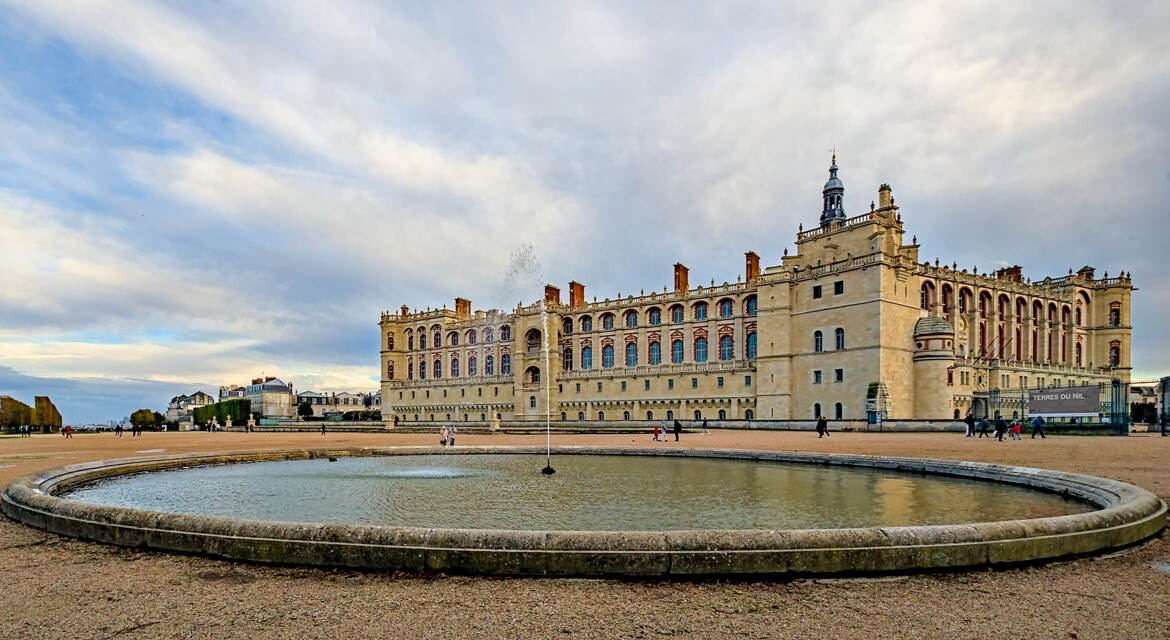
column 660, row 430
column 447, row 435
column 24, row 430
column 1002, row 428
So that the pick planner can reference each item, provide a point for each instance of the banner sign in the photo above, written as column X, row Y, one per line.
column 1065, row 401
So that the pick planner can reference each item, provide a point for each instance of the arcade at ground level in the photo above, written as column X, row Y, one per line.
column 79, row 589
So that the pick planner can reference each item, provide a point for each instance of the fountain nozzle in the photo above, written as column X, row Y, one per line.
column 548, row 471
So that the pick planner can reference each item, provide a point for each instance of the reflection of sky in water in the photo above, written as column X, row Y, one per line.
column 587, row 493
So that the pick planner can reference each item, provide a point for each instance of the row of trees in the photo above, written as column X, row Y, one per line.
column 147, row 419
column 238, row 409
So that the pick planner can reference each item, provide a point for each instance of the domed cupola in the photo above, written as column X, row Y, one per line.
column 834, row 196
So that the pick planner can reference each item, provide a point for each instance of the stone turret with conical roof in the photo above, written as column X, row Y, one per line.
column 834, row 196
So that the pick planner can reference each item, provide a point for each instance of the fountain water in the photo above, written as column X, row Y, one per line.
column 547, row 470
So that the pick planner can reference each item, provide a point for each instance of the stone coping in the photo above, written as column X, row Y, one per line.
column 1127, row 515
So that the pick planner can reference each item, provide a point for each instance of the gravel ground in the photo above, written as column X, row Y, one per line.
column 58, row 587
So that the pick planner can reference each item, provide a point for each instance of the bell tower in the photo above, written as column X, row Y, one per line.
column 834, row 196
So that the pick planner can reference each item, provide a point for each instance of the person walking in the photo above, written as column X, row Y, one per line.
column 118, row 430
column 677, row 430
column 1038, row 427
column 451, row 435
column 443, row 436
column 656, row 431
column 822, row 427
column 1016, row 428
column 705, row 427
column 983, row 426
column 970, row 422
column 1000, row 428
column 322, row 428
column 68, row 431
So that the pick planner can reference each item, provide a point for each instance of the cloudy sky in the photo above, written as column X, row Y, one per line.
column 195, row 193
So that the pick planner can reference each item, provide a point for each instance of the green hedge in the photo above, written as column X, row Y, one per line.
column 239, row 409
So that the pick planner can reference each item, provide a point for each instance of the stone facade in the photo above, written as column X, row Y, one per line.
column 835, row 329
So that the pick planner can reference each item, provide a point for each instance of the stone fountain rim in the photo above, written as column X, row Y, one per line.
column 1126, row 515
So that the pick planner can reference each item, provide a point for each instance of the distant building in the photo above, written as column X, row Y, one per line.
column 324, row 404
column 180, row 408
column 271, row 397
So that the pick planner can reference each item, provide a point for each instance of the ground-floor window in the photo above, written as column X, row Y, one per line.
column 698, row 415
column 748, row 415
column 722, row 414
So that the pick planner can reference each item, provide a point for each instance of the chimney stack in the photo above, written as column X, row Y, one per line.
column 885, row 197
column 576, row 294
column 680, row 278
column 405, row 310
column 462, row 307
column 552, row 295
column 752, row 268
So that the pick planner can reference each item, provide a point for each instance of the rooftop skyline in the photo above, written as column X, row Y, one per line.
column 191, row 196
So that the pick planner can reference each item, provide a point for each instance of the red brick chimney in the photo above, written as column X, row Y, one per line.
column 576, row 294
column 752, row 268
column 1012, row 274
column 680, row 278
column 552, row 295
column 462, row 307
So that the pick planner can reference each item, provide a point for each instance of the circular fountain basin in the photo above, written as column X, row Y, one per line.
column 632, row 512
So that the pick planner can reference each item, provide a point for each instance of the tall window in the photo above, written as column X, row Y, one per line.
column 700, row 311
column 505, row 365
column 925, row 296
column 422, row 371
column 818, row 342
column 568, row 326
column 410, row 343
column 531, row 402
column 489, row 335
column 725, row 308
column 471, row 337
column 471, row 365
column 655, row 317
column 655, row 352
column 505, row 333
column 700, row 349
column 607, row 356
column 1078, row 355
column 422, row 341
column 453, row 339
column 437, row 341
column 1115, row 315
column 409, row 371
column 587, row 357
column 607, row 322
column 489, row 366
column 726, row 348
column 567, row 360
column 632, row 354
column 1115, row 354
column 817, row 410
column 586, row 324
column 631, row 319
column 438, row 369
column 390, row 338
column 676, row 313
column 750, row 306
column 390, row 369
column 840, row 335
column 676, row 352
column 838, row 411
column 454, row 368
column 751, row 346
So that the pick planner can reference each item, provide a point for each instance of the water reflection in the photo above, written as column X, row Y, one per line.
column 587, row 493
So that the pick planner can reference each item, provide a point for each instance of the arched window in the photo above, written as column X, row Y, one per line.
column 489, row 366
column 587, row 358
column 422, row 341
column 489, row 336
column 390, row 339
column 1115, row 354
column 1078, row 320
column 567, row 359
column 505, row 333
column 749, row 306
column 437, row 341
column 669, row 415
column 452, row 339
column 454, row 368
column 840, row 336
column 676, row 352
column 818, row 342
column 390, row 369
column 838, row 411
column 700, row 349
column 676, row 313
column 438, row 369
column 698, row 414
column 471, row 337
column 631, row 319
column 926, row 295
column 567, row 326
column 722, row 414
column 422, row 371
column 564, row 416
column 607, row 356
column 410, row 371
column 607, row 322
column 947, row 294
column 726, row 348
column 586, row 324
column 649, row 415
column 471, row 365
column 532, row 340
column 580, row 415
column 531, row 375
column 700, row 310
column 505, row 365
column 632, row 354
column 725, row 308
column 1114, row 314
column 964, row 300
column 531, row 402
column 655, row 352
column 625, row 415
column 410, row 343
column 654, row 317
column 751, row 346
column 817, row 410
column 748, row 414
column 601, row 415
column 1078, row 357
